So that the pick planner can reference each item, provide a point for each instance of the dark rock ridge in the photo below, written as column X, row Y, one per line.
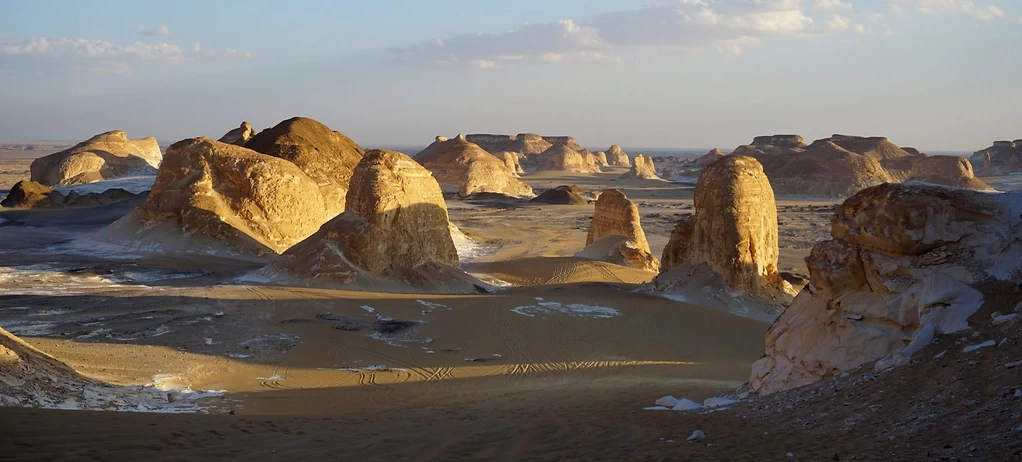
column 30, row 194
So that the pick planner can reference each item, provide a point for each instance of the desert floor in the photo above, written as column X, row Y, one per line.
column 560, row 367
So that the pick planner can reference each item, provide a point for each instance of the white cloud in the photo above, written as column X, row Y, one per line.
column 862, row 29
column 161, row 31
column 838, row 24
column 983, row 12
column 831, row 5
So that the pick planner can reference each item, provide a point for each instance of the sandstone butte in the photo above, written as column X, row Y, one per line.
column 325, row 155
column 642, row 168
column 466, row 166
column 105, row 156
column 906, row 262
column 563, row 158
column 616, row 156
column 615, row 234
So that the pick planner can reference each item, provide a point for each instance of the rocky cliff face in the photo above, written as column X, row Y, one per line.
column 103, row 157
column 527, row 144
column 616, row 235
column 327, row 156
column 906, row 262
column 239, row 136
column 1001, row 157
column 562, row 158
column 642, row 168
column 617, row 156
column 216, row 198
column 466, row 166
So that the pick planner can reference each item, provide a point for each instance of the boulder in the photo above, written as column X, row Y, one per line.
column 642, row 168
column 394, row 232
column 617, row 156
column 906, row 262
column 466, row 166
column 220, row 199
column 616, row 235
column 563, row 195
column 239, row 136
column 562, row 158
column 325, row 155
column 105, row 156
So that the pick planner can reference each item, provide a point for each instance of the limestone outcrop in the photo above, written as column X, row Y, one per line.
column 1001, row 157
column 615, row 234
column 733, row 231
column 103, row 157
column 642, row 168
column 511, row 161
column 906, row 262
column 527, row 144
column 617, row 156
column 947, row 170
column 394, row 232
column 32, row 195
column 220, row 199
column 601, row 158
column 325, row 155
column 563, row 158
column 709, row 158
column 239, row 136
column 466, row 166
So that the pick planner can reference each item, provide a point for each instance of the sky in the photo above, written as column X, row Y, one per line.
column 939, row 75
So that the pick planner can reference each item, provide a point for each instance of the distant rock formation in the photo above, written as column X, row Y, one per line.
column 906, row 262
column 563, row 195
column 710, row 157
column 221, row 199
column 394, row 231
column 780, row 141
column 1002, row 157
column 239, row 136
column 642, row 168
column 617, row 156
column 601, row 158
column 616, row 235
column 947, row 170
column 527, row 144
column 105, row 156
column 563, row 158
column 729, row 245
column 511, row 161
column 466, row 166
column 324, row 154
column 564, row 141
column 29, row 195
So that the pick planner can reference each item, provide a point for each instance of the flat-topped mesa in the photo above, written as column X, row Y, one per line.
column 617, row 156
column 615, row 234
column 878, row 147
column 103, row 157
column 238, row 136
column 466, row 166
column 491, row 143
column 710, row 157
column 220, row 199
column 782, row 141
column 1001, row 157
column 642, row 168
column 906, row 262
column 393, row 235
column 733, row 230
column 562, row 158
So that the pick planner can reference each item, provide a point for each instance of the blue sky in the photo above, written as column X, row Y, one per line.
column 935, row 74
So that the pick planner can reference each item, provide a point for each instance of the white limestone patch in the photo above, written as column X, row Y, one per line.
column 571, row 309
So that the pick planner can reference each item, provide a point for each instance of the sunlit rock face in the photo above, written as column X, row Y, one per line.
column 466, row 166
column 103, row 157
column 616, row 235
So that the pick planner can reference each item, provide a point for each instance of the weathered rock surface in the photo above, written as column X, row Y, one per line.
column 564, row 195
column 511, row 161
column 325, row 155
column 906, row 262
column 616, row 235
column 105, row 156
column 29, row 195
column 601, row 158
column 642, row 168
column 221, row 199
column 1001, row 157
column 563, row 158
column 466, row 166
column 239, row 136
column 947, row 170
column 395, row 232
column 709, row 158
column 617, row 156
column 527, row 144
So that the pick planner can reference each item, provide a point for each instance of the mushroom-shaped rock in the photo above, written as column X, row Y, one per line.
column 617, row 156
column 616, row 235
column 906, row 262
column 562, row 158
column 642, row 168
column 220, row 199
column 105, row 156
column 394, row 233
column 466, row 166
column 324, row 154
column 238, row 136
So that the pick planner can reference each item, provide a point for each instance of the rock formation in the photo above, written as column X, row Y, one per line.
column 395, row 230
column 324, row 154
column 601, row 158
column 906, row 262
column 527, row 144
column 29, row 195
column 616, row 156
column 564, row 195
column 239, row 136
column 709, row 158
column 511, row 161
column 616, row 235
column 642, row 168
column 105, row 156
column 947, row 170
column 562, row 158
column 222, row 199
column 29, row 377
column 1001, row 157
column 733, row 231
column 469, row 168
